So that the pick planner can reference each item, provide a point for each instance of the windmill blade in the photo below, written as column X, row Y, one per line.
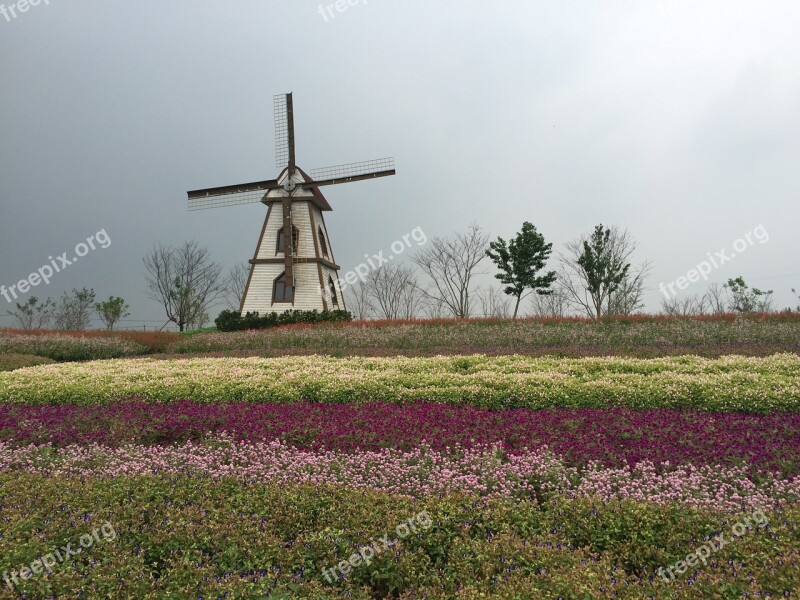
column 371, row 169
column 284, row 131
column 231, row 195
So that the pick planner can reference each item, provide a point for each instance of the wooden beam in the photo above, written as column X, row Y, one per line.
column 255, row 186
column 290, row 130
column 297, row 261
column 288, row 242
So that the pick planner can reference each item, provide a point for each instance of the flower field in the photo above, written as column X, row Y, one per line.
column 612, row 437
column 539, row 476
column 483, row 472
column 180, row 536
column 71, row 346
column 65, row 347
column 726, row 384
column 643, row 337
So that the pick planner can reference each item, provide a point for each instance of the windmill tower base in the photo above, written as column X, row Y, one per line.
column 307, row 296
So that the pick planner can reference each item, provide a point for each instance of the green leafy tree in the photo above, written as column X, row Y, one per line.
column 603, row 269
column 112, row 311
column 520, row 260
column 747, row 300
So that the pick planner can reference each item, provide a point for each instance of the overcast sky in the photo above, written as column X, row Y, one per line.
column 678, row 120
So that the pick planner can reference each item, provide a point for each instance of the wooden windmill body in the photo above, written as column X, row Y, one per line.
column 293, row 267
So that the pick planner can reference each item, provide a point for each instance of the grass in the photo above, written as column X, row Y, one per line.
column 12, row 362
column 636, row 337
column 66, row 346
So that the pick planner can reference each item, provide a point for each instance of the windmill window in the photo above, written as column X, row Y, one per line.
column 281, row 293
column 282, row 239
column 322, row 243
column 332, row 288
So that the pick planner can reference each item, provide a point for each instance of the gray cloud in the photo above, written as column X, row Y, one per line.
column 677, row 120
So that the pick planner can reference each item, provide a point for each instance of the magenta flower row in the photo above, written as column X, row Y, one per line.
column 615, row 437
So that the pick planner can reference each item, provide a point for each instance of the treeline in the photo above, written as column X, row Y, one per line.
column 596, row 276
column 72, row 312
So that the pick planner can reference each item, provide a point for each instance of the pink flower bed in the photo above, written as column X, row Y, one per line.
column 486, row 471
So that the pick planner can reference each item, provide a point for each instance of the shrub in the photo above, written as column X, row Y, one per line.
column 230, row 320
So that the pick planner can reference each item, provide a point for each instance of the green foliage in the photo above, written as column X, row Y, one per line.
column 12, row 362
column 112, row 311
column 230, row 320
column 184, row 537
column 520, row 261
column 747, row 300
column 602, row 266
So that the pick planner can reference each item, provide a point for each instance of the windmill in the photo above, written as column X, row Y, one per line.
column 293, row 267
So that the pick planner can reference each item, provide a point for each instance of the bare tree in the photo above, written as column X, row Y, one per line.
column 552, row 306
column 451, row 263
column 690, row 306
column 628, row 298
column 185, row 281
column 33, row 314
column 358, row 299
column 494, row 303
column 393, row 291
column 433, row 307
column 237, row 283
column 74, row 311
column 715, row 299
column 597, row 276
column 199, row 320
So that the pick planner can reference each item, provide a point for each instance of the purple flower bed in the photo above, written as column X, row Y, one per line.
column 614, row 437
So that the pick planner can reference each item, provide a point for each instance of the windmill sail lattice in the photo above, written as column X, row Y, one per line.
column 281, row 131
